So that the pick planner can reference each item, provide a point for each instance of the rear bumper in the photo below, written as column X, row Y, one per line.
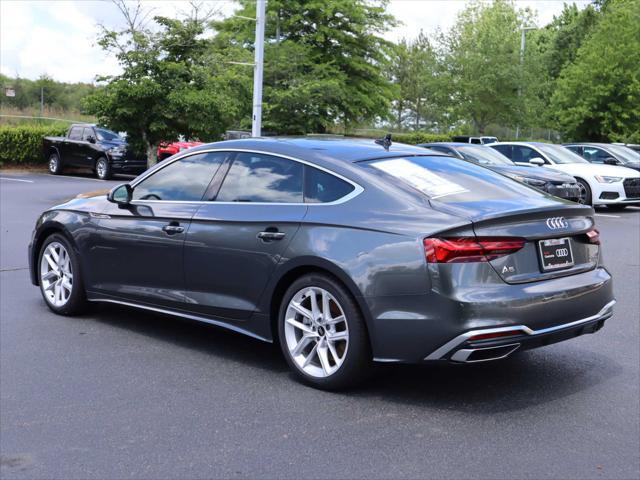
column 464, row 349
column 412, row 328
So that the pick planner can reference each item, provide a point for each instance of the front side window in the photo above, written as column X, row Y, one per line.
column 322, row 187
column 86, row 133
column 186, row 179
column 484, row 156
column 524, row 154
column 255, row 177
column 504, row 150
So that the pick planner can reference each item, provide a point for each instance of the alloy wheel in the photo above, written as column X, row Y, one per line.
column 316, row 332
column 56, row 275
column 583, row 197
column 101, row 168
column 53, row 164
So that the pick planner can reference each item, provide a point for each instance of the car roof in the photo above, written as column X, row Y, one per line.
column 594, row 144
column 315, row 148
column 535, row 144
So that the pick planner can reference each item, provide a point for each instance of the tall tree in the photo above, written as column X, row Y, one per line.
column 483, row 66
column 170, row 85
column 598, row 96
column 323, row 61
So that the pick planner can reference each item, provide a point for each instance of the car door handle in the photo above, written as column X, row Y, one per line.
column 173, row 228
column 270, row 236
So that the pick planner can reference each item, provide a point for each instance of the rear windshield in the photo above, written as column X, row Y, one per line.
column 451, row 180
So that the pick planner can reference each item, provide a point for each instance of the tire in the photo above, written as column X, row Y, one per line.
column 103, row 169
column 616, row 208
column 58, row 297
column 346, row 352
column 585, row 192
column 55, row 165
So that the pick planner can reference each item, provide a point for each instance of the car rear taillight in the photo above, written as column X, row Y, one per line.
column 594, row 236
column 470, row 249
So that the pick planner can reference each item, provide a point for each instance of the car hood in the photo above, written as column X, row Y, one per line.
column 536, row 173
column 94, row 193
column 577, row 169
column 113, row 143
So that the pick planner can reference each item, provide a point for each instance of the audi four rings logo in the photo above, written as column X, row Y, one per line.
column 554, row 223
column 562, row 252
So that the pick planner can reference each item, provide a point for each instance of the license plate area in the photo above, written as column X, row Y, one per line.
column 555, row 254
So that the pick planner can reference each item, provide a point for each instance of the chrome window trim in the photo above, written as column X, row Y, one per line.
column 605, row 311
column 357, row 190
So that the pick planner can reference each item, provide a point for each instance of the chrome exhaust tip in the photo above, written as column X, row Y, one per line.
column 476, row 355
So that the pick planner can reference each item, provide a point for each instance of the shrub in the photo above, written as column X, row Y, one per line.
column 22, row 144
column 412, row 138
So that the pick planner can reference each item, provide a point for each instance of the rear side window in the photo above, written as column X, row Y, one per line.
column 75, row 133
column 322, row 187
column 184, row 180
column 452, row 180
column 255, row 177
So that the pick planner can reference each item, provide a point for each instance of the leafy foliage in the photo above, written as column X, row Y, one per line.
column 23, row 143
column 57, row 95
column 324, row 61
column 598, row 96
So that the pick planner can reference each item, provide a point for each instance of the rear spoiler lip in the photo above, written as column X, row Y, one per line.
column 557, row 210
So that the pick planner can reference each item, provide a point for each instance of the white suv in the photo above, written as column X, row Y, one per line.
column 610, row 185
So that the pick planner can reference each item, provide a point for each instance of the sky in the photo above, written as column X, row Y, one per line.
column 57, row 37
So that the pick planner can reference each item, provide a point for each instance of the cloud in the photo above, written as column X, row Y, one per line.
column 58, row 38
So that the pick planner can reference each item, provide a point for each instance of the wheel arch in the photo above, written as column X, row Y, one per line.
column 303, row 266
column 45, row 231
column 589, row 184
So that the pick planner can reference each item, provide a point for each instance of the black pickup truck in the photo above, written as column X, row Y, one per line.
column 89, row 146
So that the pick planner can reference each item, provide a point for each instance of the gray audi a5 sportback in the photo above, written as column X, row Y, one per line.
column 343, row 251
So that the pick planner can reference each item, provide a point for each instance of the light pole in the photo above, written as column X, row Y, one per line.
column 523, row 40
column 256, row 124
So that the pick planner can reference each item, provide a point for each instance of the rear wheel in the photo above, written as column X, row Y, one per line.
column 322, row 333
column 585, row 192
column 103, row 169
column 55, row 166
column 60, row 276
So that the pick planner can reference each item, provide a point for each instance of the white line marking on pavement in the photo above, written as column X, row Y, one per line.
column 607, row 215
column 16, row 179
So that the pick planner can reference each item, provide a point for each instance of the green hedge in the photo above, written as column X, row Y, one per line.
column 22, row 144
column 412, row 138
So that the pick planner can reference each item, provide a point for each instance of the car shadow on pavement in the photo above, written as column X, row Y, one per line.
column 193, row 335
column 526, row 380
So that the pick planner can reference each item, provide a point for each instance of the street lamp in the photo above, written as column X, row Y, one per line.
column 522, row 46
column 256, row 124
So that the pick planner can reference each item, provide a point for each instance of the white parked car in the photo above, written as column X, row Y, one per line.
column 610, row 185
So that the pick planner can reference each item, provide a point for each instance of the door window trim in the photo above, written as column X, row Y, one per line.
column 224, row 167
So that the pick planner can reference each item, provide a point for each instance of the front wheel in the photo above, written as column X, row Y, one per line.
column 103, row 169
column 55, row 166
column 322, row 333
column 60, row 276
column 585, row 192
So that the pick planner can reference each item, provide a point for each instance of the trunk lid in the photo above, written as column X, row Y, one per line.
column 553, row 221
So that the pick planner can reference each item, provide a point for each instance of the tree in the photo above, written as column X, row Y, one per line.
column 323, row 61
column 598, row 96
column 170, row 84
column 484, row 73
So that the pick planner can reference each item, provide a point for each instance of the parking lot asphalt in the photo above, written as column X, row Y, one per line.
column 122, row 393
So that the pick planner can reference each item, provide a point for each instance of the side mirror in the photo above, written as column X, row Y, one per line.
column 611, row 161
column 91, row 139
column 120, row 194
column 537, row 161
